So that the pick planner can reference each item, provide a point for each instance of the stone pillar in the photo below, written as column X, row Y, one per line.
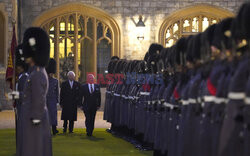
column 76, row 46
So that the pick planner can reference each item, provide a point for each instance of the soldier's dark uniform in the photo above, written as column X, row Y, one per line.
column 205, row 111
column 246, row 116
column 52, row 95
column 159, row 112
column 209, row 127
column 36, row 130
column 232, row 133
column 19, row 87
column 182, row 136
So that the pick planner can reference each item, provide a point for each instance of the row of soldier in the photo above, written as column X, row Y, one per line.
column 201, row 108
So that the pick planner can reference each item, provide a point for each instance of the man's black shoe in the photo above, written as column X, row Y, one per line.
column 108, row 130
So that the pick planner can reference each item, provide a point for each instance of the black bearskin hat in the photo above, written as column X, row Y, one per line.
column 206, row 42
column 245, row 20
column 181, row 46
column 111, row 66
column 197, row 47
column 189, row 50
column 154, row 49
column 237, row 30
column 114, row 58
column 146, row 56
column 220, row 39
column 51, row 68
column 36, row 44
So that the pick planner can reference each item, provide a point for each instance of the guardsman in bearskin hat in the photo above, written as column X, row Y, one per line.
column 52, row 95
column 232, row 134
column 246, row 110
column 21, row 70
column 36, row 130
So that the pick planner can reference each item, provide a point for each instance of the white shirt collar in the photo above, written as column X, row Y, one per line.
column 71, row 83
column 93, row 86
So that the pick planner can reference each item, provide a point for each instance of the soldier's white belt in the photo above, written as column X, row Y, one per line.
column 192, row 100
column 116, row 94
column 236, row 95
column 209, row 98
column 144, row 93
column 135, row 97
column 130, row 97
column 168, row 105
column 125, row 97
column 184, row 102
column 108, row 92
column 218, row 100
column 154, row 102
column 247, row 100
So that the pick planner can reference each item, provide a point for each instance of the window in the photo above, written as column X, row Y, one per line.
column 82, row 39
column 189, row 21
column 75, row 37
column 186, row 27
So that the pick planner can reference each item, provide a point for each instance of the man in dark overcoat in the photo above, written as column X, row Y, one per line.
column 92, row 101
column 69, row 100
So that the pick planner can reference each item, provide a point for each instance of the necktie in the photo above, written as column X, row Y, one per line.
column 91, row 88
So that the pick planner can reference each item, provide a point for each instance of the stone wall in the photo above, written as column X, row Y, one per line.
column 7, row 9
column 4, row 104
column 154, row 11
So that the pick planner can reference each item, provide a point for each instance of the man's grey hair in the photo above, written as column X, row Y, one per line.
column 71, row 72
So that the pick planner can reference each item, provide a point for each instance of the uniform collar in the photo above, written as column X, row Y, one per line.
column 31, row 69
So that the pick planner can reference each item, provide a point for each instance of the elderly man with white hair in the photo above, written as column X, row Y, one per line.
column 69, row 100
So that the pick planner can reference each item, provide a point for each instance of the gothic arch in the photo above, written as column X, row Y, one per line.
column 79, row 11
column 213, row 14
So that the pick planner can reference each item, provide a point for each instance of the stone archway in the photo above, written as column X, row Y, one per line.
column 69, row 25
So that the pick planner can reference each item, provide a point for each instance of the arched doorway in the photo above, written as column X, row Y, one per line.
column 190, row 21
column 82, row 38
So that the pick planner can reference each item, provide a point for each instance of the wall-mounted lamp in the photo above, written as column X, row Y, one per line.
column 140, row 26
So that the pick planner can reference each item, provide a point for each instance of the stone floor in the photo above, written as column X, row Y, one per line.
column 7, row 120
